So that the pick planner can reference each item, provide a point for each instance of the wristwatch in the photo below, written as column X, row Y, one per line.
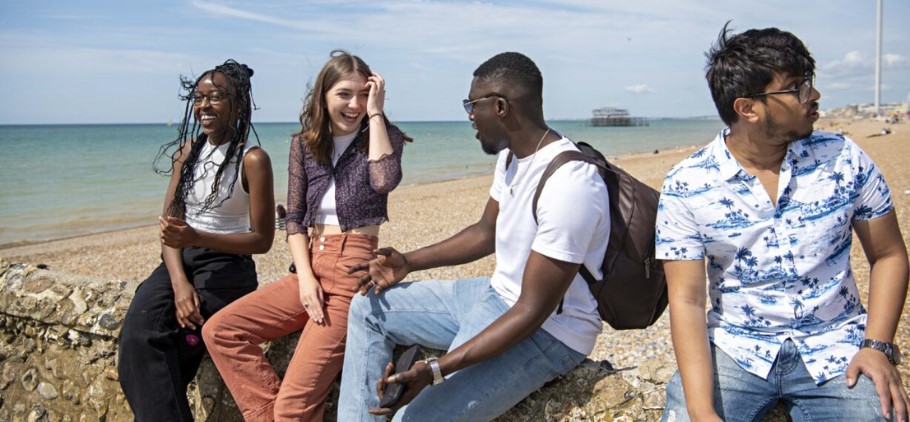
column 889, row 349
column 437, row 373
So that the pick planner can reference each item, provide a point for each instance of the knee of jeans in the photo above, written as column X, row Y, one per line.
column 361, row 307
column 209, row 329
column 214, row 328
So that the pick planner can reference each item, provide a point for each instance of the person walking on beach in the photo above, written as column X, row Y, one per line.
column 218, row 210
column 343, row 163
column 770, row 204
column 504, row 336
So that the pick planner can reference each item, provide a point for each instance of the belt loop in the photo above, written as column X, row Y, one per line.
column 344, row 240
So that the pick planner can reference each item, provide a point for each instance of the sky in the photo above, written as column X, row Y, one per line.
column 119, row 61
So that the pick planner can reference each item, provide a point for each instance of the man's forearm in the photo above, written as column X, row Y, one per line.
column 468, row 245
column 693, row 356
column 887, row 292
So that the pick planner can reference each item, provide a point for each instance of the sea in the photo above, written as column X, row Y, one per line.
column 62, row 181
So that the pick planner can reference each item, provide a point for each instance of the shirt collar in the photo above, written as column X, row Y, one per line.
column 729, row 167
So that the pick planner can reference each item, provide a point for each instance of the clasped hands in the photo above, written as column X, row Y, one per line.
column 176, row 233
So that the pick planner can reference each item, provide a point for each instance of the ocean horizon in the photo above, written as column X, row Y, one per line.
column 65, row 180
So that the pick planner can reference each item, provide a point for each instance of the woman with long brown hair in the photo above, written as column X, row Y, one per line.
column 343, row 163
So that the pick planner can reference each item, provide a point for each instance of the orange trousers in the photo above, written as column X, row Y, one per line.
column 233, row 336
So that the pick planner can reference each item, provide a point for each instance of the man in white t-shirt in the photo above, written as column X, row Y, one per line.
column 504, row 335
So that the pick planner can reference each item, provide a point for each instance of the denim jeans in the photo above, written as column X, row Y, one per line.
column 743, row 396
column 443, row 315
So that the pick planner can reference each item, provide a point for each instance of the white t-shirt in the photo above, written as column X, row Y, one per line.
column 574, row 226
column 327, row 212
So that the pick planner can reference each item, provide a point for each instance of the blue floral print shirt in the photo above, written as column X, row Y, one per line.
column 776, row 272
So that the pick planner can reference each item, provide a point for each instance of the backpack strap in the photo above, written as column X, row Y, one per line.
column 555, row 164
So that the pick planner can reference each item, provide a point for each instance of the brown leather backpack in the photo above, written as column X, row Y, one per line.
column 633, row 292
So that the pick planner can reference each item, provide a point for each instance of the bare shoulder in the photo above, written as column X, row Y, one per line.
column 257, row 158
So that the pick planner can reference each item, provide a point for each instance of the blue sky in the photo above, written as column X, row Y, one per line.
column 119, row 61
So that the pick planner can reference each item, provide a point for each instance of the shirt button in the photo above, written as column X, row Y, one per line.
column 322, row 238
column 321, row 247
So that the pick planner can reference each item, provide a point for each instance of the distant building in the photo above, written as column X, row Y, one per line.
column 612, row 116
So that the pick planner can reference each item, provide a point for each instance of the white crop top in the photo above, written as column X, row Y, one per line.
column 232, row 215
column 326, row 212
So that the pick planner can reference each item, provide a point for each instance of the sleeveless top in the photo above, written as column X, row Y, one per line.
column 230, row 216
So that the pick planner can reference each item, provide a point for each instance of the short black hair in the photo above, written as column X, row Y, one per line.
column 516, row 70
column 746, row 63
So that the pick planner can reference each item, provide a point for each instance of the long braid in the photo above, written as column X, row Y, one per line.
column 240, row 91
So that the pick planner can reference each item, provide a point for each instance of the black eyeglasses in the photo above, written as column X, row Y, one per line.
column 214, row 97
column 803, row 91
column 469, row 104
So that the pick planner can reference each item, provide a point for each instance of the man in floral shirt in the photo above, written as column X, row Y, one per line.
column 770, row 206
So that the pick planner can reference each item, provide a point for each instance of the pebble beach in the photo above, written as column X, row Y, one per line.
column 426, row 213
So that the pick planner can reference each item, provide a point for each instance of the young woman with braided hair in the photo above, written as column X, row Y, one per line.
column 218, row 210
column 343, row 163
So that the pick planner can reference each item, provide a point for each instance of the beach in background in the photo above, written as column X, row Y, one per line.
column 62, row 181
column 421, row 214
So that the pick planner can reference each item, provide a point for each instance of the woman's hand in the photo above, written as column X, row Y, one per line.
column 311, row 298
column 376, row 100
column 176, row 233
column 186, row 301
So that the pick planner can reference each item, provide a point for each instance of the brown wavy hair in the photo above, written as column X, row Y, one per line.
column 315, row 124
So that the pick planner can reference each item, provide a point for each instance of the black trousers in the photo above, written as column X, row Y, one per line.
column 155, row 363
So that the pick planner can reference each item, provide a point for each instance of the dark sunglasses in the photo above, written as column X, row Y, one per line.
column 469, row 104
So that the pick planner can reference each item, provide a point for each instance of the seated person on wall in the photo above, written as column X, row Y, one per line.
column 343, row 164
column 218, row 209
column 504, row 336
column 771, row 205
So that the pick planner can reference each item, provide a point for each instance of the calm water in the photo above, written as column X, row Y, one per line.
column 67, row 180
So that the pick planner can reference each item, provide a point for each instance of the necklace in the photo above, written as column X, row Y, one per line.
column 534, row 155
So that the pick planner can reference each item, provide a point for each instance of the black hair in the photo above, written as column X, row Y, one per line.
column 241, row 97
column 744, row 64
column 517, row 70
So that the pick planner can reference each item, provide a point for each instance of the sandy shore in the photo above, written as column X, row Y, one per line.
column 423, row 214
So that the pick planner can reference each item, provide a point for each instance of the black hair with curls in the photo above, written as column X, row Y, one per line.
column 240, row 95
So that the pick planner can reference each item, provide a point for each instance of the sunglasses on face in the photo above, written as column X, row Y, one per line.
column 469, row 104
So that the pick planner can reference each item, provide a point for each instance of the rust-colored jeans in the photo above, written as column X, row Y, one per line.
column 234, row 334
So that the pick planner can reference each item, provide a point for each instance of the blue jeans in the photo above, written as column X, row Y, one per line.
column 743, row 396
column 443, row 315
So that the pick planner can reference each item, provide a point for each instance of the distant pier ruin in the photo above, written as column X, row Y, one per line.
column 612, row 116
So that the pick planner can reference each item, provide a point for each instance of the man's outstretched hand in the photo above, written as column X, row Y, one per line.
column 388, row 268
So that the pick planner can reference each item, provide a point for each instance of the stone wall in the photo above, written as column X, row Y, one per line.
column 58, row 362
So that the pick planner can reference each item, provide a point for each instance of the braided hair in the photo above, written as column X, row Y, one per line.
column 240, row 95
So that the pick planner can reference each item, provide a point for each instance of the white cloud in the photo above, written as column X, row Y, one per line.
column 224, row 10
column 895, row 60
column 851, row 60
column 639, row 89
